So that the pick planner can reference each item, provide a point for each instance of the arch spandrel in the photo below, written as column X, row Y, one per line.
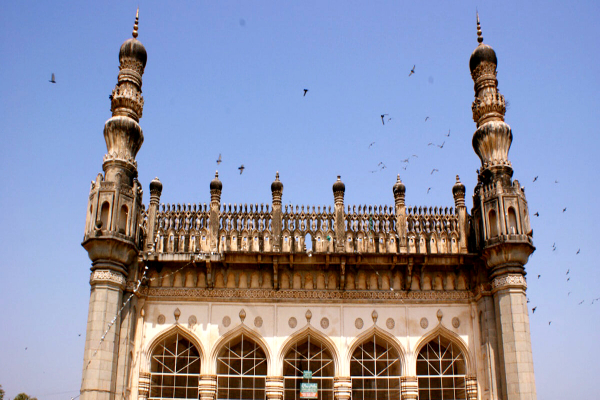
column 366, row 336
column 148, row 350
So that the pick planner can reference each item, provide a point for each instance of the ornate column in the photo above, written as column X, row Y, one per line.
column 342, row 387
column 207, row 387
column 155, row 192
column 458, row 191
column 274, row 388
column 399, row 195
column 276, row 218
column 144, row 386
column 215, row 205
column 471, row 387
column 340, row 228
column 409, row 387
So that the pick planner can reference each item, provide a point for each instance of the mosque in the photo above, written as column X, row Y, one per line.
column 213, row 301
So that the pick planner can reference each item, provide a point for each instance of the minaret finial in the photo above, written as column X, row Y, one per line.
column 479, row 37
column 135, row 25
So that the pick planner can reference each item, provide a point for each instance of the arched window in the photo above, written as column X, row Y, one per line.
column 375, row 371
column 174, row 369
column 513, row 229
column 308, row 355
column 441, row 371
column 241, row 370
column 493, row 221
column 104, row 215
column 123, row 219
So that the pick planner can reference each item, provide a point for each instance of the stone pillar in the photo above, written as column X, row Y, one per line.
column 144, row 386
column 102, row 336
column 458, row 191
column 207, row 387
column 399, row 196
column 274, row 389
column 409, row 387
column 342, row 387
column 276, row 218
column 514, row 338
column 215, row 205
column 471, row 387
column 340, row 227
column 155, row 192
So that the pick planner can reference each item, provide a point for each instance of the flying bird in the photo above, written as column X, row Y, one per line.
column 52, row 79
column 412, row 71
column 578, row 251
column 556, row 181
column 305, row 90
column 241, row 169
column 448, row 135
column 430, row 144
column 415, row 156
column 569, row 270
column 533, row 309
column 441, row 146
column 434, row 170
column 549, row 322
column 372, row 143
column 406, row 160
column 581, row 302
column 219, row 160
column 428, row 189
column 426, row 118
column 535, row 179
column 564, row 209
column 382, row 118
column 537, row 214
column 539, row 276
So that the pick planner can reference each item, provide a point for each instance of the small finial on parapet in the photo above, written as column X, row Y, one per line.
column 479, row 37
column 458, row 191
column 135, row 25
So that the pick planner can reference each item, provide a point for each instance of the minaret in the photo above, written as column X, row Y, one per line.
column 501, row 217
column 112, row 235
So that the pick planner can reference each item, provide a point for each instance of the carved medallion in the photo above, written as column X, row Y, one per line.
column 424, row 323
column 374, row 315
column 308, row 316
column 324, row 323
column 161, row 319
column 177, row 314
column 258, row 321
column 242, row 315
column 359, row 323
column 455, row 322
column 192, row 321
column 390, row 323
column 292, row 322
column 226, row 321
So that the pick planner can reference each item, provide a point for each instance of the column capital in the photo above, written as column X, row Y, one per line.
column 342, row 388
column 409, row 386
column 509, row 281
column 107, row 276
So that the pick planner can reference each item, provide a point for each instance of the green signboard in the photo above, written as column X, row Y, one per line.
column 307, row 375
column 309, row 391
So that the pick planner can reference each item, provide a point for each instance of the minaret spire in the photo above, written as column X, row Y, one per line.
column 135, row 25
column 479, row 37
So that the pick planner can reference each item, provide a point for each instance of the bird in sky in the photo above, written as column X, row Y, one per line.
column 568, row 279
column 404, row 168
column 569, row 270
column 52, row 79
column 549, row 322
column 578, row 251
column 406, row 160
column 556, row 181
column 441, row 146
column 241, row 168
column 382, row 118
column 581, row 302
column 415, row 156
column 568, row 294
column 371, row 144
column 537, row 214
column 539, row 276
column 412, row 71
column 219, row 160
column 430, row 144
column 564, row 209
column 426, row 118
column 448, row 135
column 305, row 90
column 535, row 179
column 533, row 309
column 428, row 189
column 434, row 170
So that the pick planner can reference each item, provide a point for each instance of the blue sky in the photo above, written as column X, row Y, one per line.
column 228, row 77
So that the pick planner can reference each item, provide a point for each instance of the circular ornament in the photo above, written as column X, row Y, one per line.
column 424, row 323
column 258, row 321
column 390, row 323
column 359, row 323
column 161, row 319
column 226, row 321
column 192, row 320
column 455, row 322
column 324, row 323
column 292, row 322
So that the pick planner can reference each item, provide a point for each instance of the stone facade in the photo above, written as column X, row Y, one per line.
column 182, row 293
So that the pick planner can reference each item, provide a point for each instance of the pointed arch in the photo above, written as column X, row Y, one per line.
column 441, row 330
column 376, row 363
column 381, row 334
column 240, row 330
column 308, row 350
column 166, row 333
column 175, row 362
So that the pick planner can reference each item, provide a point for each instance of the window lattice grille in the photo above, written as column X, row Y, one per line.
column 375, row 371
column 175, row 369
column 441, row 371
column 241, row 370
column 311, row 356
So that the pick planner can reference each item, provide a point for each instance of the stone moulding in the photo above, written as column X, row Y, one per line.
column 295, row 295
column 107, row 276
column 512, row 280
